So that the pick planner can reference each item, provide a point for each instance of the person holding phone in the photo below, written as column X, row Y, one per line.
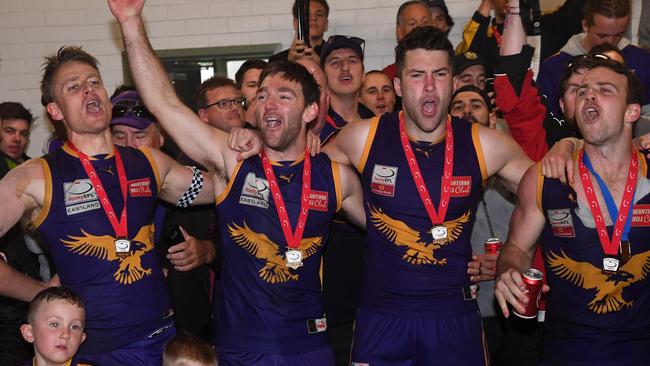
column 318, row 13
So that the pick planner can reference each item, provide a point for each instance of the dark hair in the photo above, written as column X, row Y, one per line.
column 473, row 89
column 295, row 72
column 211, row 83
column 576, row 63
column 51, row 294
column 294, row 8
column 188, row 347
column 15, row 110
column 54, row 62
column 402, row 8
column 427, row 38
column 634, row 86
column 249, row 64
column 607, row 8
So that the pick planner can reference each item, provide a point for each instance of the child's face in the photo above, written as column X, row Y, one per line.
column 57, row 331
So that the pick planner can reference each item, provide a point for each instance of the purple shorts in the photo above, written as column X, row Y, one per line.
column 148, row 351
column 320, row 357
column 381, row 339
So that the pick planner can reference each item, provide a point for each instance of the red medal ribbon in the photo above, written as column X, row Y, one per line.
column 120, row 227
column 445, row 188
column 293, row 239
column 609, row 247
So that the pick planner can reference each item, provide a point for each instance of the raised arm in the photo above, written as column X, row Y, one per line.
column 206, row 145
column 526, row 224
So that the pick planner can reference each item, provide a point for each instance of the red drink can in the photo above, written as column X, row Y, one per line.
column 533, row 281
column 493, row 246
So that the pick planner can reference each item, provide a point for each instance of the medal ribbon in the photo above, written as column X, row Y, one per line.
column 293, row 239
column 417, row 174
column 623, row 217
column 120, row 227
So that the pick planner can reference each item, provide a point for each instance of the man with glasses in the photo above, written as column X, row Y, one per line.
column 220, row 104
column 604, row 21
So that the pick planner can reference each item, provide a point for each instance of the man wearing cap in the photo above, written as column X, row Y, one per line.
column 182, row 253
column 469, row 69
column 472, row 104
column 411, row 14
column 342, row 60
column 132, row 124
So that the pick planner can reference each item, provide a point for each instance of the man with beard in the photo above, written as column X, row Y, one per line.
column 416, row 265
column 72, row 196
column 594, row 238
column 270, row 286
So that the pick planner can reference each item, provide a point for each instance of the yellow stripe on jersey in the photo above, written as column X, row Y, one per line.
column 154, row 166
column 47, row 196
column 479, row 151
column 231, row 181
column 374, row 123
column 336, row 175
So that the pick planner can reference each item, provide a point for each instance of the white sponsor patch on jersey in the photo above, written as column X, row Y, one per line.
column 255, row 191
column 79, row 196
column 384, row 180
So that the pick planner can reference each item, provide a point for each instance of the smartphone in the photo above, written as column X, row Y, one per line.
column 303, row 21
column 175, row 236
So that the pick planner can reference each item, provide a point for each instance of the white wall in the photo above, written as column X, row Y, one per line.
column 31, row 29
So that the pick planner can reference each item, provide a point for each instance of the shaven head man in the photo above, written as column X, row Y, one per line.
column 73, row 194
column 220, row 103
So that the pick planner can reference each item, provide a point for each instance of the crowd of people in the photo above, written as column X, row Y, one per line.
column 311, row 212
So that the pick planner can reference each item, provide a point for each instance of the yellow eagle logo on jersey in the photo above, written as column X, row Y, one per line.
column 420, row 245
column 259, row 245
column 609, row 287
column 103, row 248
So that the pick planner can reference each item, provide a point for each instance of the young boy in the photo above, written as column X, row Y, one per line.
column 56, row 326
column 188, row 350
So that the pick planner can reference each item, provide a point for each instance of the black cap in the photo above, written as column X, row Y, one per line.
column 337, row 42
column 465, row 60
column 438, row 3
column 472, row 88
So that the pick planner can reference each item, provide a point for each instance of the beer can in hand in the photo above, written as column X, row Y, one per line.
column 533, row 281
column 493, row 246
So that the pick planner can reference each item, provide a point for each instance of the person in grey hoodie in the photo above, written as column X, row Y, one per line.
column 604, row 21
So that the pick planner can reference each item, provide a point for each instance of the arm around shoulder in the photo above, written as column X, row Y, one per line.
column 22, row 192
column 352, row 200
column 349, row 145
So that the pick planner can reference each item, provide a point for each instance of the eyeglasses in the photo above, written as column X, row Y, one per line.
column 130, row 106
column 225, row 104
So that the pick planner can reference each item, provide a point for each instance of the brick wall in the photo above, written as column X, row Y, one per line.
column 31, row 29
